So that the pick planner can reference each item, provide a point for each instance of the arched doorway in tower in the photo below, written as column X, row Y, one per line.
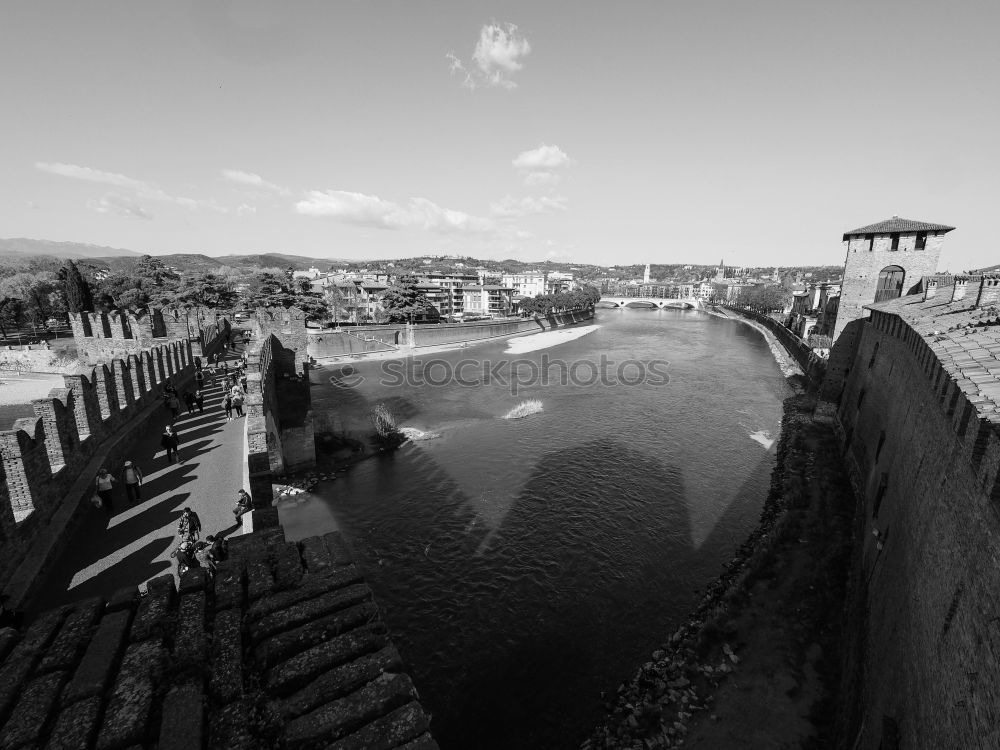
column 890, row 283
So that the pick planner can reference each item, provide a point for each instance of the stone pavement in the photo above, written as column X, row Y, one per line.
column 134, row 544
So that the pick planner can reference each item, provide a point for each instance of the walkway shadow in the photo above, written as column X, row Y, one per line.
column 97, row 543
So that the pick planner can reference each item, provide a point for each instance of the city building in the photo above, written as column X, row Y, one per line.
column 530, row 284
column 884, row 261
column 444, row 289
column 487, row 300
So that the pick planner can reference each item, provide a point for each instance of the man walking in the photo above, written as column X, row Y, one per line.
column 169, row 441
column 132, row 479
column 189, row 527
column 199, row 398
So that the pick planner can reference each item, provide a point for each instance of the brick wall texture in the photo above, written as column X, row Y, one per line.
column 923, row 449
column 284, row 648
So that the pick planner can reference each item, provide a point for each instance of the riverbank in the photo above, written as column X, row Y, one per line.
column 756, row 664
column 788, row 366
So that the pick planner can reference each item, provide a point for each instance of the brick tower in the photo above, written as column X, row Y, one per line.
column 886, row 260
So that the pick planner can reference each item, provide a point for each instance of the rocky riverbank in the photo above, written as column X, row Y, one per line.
column 756, row 664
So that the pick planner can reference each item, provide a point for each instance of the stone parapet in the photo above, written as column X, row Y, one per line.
column 284, row 648
column 105, row 335
column 42, row 456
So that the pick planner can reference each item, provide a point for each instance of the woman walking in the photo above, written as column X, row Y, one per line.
column 105, row 483
column 238, row 404
column 199, row 399
column 228, row 406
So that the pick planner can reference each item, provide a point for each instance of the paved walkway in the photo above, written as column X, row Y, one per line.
column 134, row 544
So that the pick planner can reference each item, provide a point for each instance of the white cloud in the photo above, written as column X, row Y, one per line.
column 370, row 210
column 244, row 209
column 542, row 158
column 142, row 189
column 253, row 180
column 542, row 180
column 497, row 55
column 530, row 204
column 120, row 205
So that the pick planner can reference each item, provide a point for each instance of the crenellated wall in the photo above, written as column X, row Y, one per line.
column 42, row 456
column 104, row 335
column 917, row 387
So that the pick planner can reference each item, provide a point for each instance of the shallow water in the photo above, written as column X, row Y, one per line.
column 528, row 565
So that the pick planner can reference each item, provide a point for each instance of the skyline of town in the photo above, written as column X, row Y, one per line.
column 659, row 133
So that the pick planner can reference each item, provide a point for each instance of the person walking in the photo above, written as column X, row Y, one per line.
column 105, row 482
column 173, row 406
column 132, row 479
column 238, row 404
column 189, row 526
column 189, row 400
column 199, row 378
column 169, row 441
column 227, row 404
column 199, row 399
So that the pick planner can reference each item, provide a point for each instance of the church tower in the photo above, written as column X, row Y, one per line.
column 645, row 275
column 720, row 272
column 884, row 261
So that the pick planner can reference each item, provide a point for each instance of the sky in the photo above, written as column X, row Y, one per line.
column 639, row 132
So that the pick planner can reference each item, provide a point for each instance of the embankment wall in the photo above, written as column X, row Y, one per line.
column 326, row 344
column 923, row 452
column 813, row 366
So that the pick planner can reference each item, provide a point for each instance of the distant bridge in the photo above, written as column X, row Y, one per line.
column 685, row 303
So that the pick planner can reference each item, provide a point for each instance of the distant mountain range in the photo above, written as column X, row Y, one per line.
column 18, row 250
column 25, row 246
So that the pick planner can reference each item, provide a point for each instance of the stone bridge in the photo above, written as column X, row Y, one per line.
column 681, row 303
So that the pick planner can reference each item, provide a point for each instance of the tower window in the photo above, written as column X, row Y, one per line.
column 895, row 242
column 921, row 243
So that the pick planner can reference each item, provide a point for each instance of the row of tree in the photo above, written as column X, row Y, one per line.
column 581, row 298
column 764, row 299
column 34, row 300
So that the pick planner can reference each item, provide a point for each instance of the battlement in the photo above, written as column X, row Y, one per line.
column 288, row 326
column 103, row 335
column 43, row 456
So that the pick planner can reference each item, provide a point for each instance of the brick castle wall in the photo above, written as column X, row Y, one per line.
column 924, row 462
column 105, row 335
column 42, row 456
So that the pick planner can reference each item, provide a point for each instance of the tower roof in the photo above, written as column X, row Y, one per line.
column 896, row 224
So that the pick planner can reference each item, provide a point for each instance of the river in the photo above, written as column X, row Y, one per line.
column 526, row 566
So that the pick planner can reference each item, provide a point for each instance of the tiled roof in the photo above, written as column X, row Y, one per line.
column 964, row 338
column 285, row 648
column 896, row 224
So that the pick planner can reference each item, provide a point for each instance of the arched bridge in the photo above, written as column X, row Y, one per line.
column 682, row 303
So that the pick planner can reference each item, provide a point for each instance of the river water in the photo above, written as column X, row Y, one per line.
column 528, row 565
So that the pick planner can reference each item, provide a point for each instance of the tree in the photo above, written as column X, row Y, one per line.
column 205, row 290
column 403, row 302
column 78, row 294
column 34, row 290
column 269, row 289
column 11, row 314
